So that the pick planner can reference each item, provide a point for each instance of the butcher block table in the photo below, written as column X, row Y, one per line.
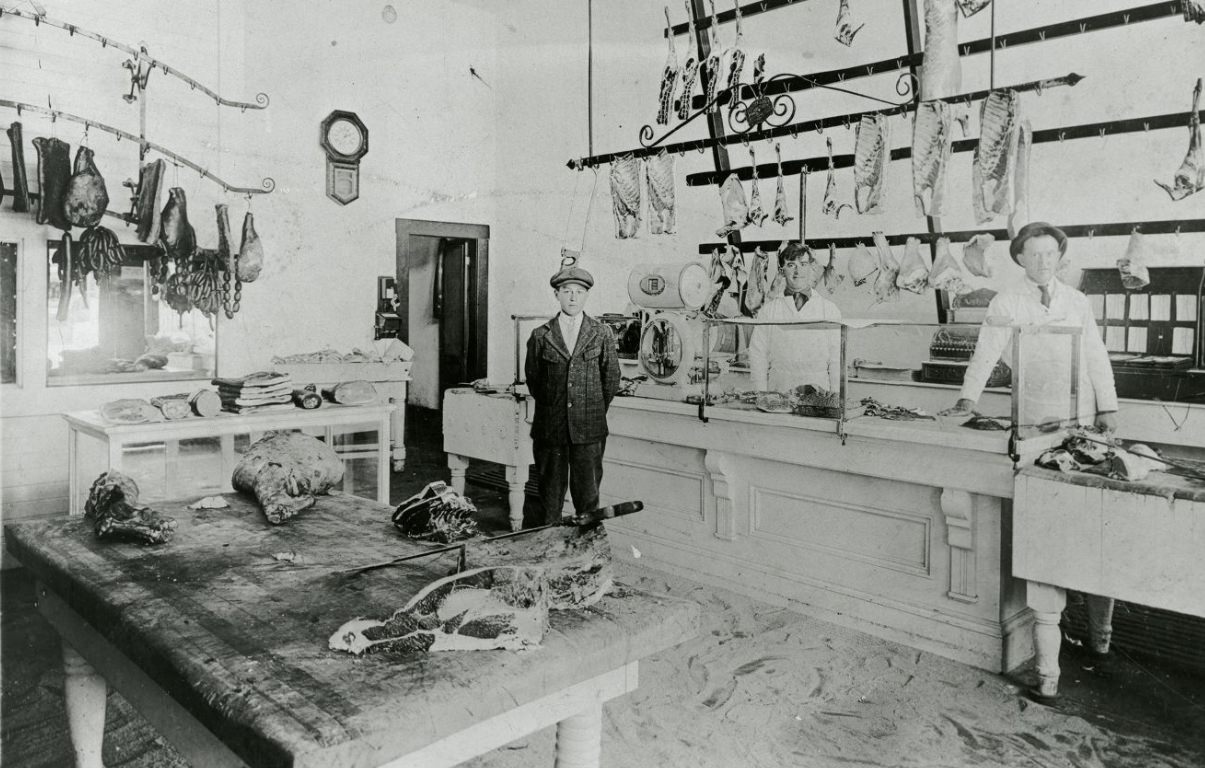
column 494, row 427
column 1142, row 542
column 219, row 638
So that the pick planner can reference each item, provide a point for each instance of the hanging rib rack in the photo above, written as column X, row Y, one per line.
column 1111, row 229
column 267, row 185
column 261, row 99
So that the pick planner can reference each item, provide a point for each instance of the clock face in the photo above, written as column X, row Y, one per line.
column 344, row 137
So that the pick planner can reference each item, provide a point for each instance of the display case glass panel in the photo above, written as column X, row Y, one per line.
column 116, row 328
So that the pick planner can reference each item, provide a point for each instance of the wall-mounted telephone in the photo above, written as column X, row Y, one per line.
column 387, row 324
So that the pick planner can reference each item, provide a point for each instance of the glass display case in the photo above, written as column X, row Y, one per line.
column 117, row 328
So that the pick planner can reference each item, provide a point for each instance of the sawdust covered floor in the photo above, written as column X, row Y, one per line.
column 761, row 687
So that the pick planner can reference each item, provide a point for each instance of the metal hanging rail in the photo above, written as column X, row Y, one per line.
column 834, row 121
column 1112, row 229
column 267, row 185
column 1084, row 131
column 261, row 99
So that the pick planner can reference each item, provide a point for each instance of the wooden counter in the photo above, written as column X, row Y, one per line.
column 223, row 646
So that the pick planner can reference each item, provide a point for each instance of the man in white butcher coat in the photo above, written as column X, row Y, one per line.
column 1039, row 248
column 784, row 357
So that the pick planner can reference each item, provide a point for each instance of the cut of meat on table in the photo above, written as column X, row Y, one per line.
column 576, row 561
column 147, row 205
column 993, row 172
column 931, row 143
column 872, row 153
column 736, row 210
column 659, row 173
column 1190, row 176
column 669, row 76
column 625, row 196
column 285, row 470
column 974, row 255
column 914, row 272
column 496, row 607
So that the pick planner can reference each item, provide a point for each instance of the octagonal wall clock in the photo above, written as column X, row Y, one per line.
column 344, row 138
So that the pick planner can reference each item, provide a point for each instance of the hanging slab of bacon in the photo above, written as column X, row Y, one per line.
column 147, row 201
column 1190, row 176
column 872, row 153
column 931, row 143
column 86, row 198
column 914, row 272
column 54, row 174
column 669, row 76
column 20, row 188
column 659, row 173
column 625, row 196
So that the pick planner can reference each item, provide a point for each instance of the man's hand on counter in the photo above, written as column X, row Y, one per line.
column 1107, row 420
column 963, row 407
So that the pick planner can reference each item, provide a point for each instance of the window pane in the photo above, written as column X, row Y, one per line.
column 1161, row 307
column 1139, row 306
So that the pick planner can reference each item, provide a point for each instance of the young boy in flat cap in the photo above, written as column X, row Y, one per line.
column 572, row 372
column 1039, row 248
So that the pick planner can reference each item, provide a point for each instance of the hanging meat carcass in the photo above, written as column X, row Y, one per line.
column 710, row 70
column 736, row 210
column 285, row 470
column 758, row 285
column 54, row 174
column 1133, row 264
column 972, row 7
column 862, row 265
column 845, row 29
column 690, row 71
column 780, row 194
column 914, row 272
column 941, row 73
column 830, row 205
column 250, row 252
column 177, row 236
column 885, row 287
column 1193, row 10
column 669, row 75
column 86, row 198
column 1190, row 176
column 495, row 607
column 991, row 184
column 734, row 62
column 1020, row 214
column 872, row 153
column 947, row 275
column 974, row 255
column 625, row 196
column 931, row 144
column 20, row 188
column 830, row 277
column 757, row 214
column 659, row 173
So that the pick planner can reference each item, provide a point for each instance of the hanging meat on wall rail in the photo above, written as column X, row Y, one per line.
column 872, row 155
column 659, row 173
column 1190, row 176
column 669, row 76
column 625, row 196
column 931, row 144
column 86, row 198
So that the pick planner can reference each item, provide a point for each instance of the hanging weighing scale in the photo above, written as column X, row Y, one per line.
column 671, row 337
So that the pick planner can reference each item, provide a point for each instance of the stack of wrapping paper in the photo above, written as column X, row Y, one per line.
column 261, row 391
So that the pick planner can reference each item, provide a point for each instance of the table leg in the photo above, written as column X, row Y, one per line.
column 383, row 441
column 84, row 691
column 516, row 484
column 579, row 739
column 398, row 430
column 1047, row 603
column 457, row 466
column 73, row 503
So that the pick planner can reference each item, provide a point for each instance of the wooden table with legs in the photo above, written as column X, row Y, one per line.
column 492, row 427
column 219, row 637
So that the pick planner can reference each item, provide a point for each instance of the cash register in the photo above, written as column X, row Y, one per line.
column 952, row 346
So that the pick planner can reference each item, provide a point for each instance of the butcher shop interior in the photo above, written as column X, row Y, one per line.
column 698, row 383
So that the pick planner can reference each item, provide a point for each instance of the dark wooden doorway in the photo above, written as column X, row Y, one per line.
column 442, row 270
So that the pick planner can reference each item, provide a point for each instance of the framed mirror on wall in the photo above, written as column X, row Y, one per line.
column 116, row 328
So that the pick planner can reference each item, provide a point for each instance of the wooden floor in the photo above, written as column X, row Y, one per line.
column 761, row 686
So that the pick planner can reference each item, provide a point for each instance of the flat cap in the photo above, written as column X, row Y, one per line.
column 572, row 275
column 1036, row 229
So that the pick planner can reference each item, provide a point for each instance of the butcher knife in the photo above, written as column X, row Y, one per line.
column 583, row 520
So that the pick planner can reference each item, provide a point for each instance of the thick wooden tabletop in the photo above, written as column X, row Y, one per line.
column 239, row 637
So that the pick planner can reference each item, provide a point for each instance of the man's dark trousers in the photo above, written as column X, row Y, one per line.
column 580, row 466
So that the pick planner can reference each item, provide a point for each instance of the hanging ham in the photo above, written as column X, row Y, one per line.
column 947, row 275
column 830, row 277
column 177, row 236
column 757, row 214
column 669, row 75
column 1190, row 176
column 20, row 187
column 885, row 288
column 931, row 143
column 914, row 272
column 86, row 198
column 625, row 196
column 736, row 210
column 974, row 255
column 659, row 173
column 1133, row 265
column 250, row 252
column 147, row 201
column 872, row 153
column 54, row 174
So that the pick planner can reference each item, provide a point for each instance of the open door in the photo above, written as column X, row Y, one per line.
column 442, row 304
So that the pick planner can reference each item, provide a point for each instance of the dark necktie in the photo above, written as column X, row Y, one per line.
column 800, row 299
column 1045, row 295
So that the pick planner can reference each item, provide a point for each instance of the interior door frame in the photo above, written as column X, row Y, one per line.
column 478, row 278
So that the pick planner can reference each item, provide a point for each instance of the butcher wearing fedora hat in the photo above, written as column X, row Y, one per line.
column 1039, row 248
column 572, row 372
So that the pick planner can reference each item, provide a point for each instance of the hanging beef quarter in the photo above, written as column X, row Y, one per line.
column 20, row 187
column 1190, row 176
column 54, row 173
column 251, row 253
column 177, row 236
column 86, row 199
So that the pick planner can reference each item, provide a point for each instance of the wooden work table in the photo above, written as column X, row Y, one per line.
column 219, row 638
